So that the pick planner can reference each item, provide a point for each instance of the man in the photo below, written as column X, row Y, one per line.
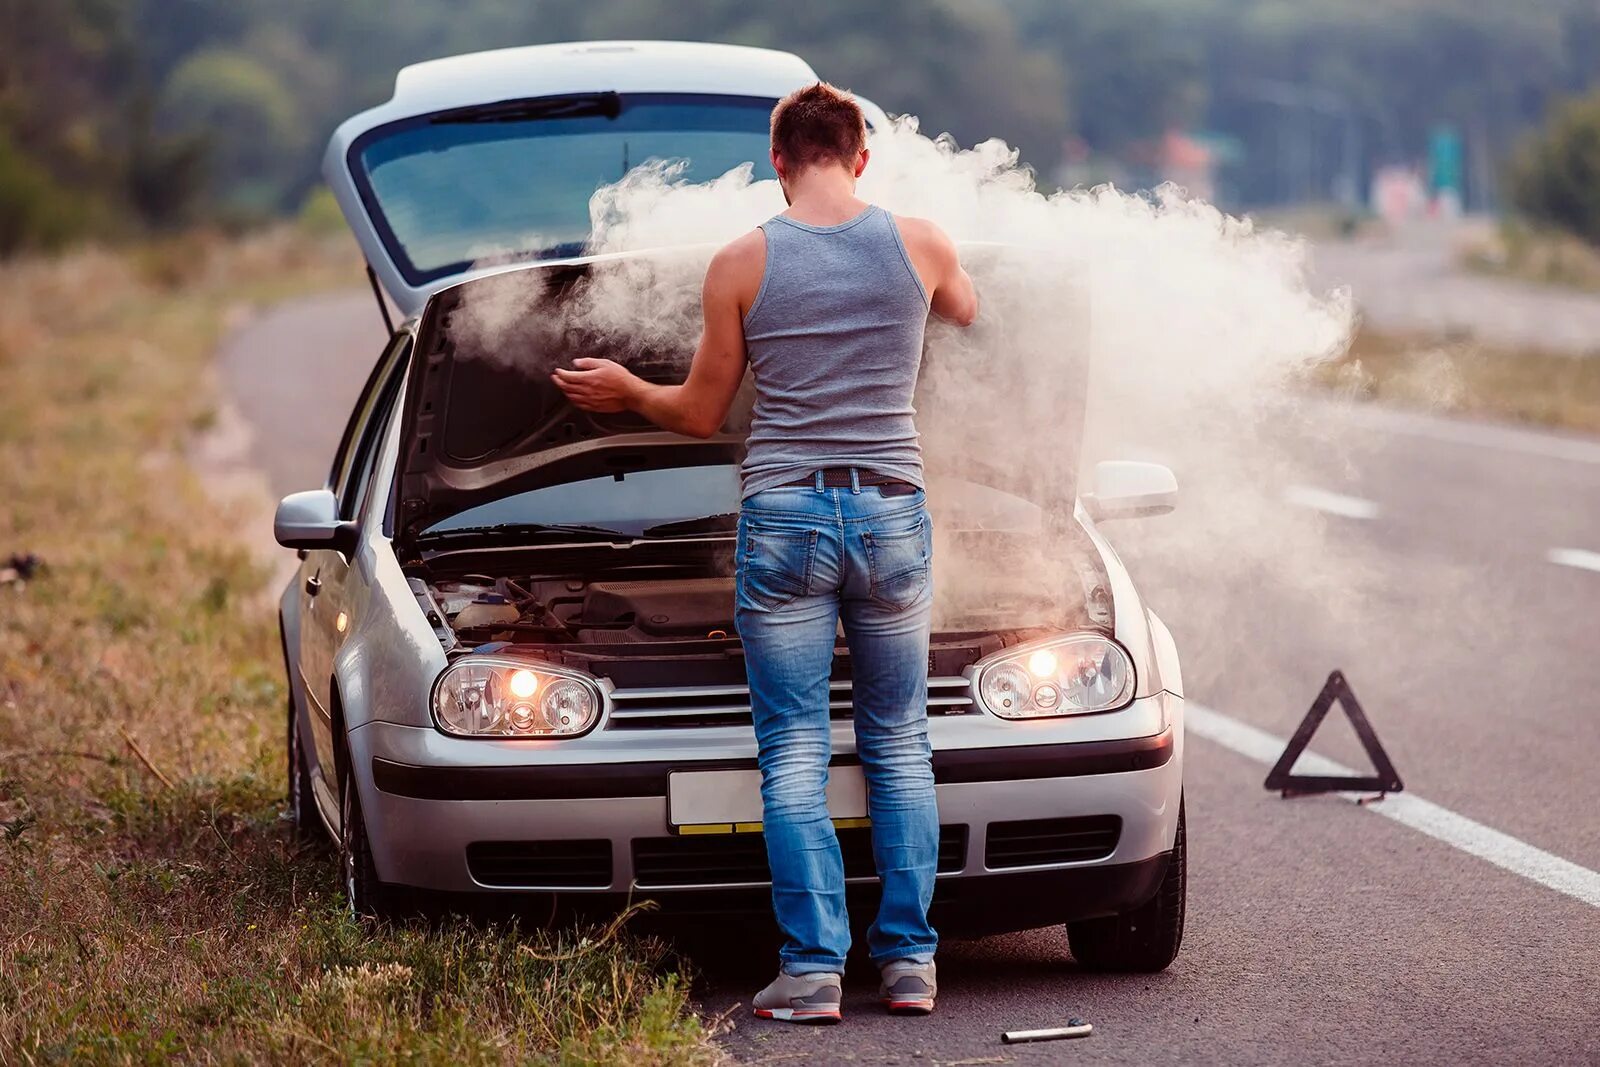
column 827, row 303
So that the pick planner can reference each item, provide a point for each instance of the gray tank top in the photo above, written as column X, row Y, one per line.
column 834, row 339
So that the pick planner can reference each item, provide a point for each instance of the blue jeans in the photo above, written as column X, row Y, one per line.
column 808, row 558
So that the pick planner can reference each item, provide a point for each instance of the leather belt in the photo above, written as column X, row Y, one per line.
column 839, row 478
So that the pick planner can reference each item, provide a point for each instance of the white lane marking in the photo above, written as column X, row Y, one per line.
column 1481, row 434
column 1408, row 809
column 1349, row 507
column 1574, row 557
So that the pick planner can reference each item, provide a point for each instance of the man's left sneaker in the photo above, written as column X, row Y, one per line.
column 804, row 998
column 908, row 987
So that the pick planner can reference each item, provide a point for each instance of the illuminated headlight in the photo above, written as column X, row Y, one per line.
column 483, row 696
column 1068, row 675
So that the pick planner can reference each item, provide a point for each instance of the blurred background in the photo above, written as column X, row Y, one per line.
column 118, row 116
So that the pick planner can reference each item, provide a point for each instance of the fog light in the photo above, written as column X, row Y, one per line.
column 1047, row 697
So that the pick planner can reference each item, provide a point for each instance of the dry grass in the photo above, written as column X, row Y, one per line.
column 142, row 921
column 1545, row 257
column 1467, row 377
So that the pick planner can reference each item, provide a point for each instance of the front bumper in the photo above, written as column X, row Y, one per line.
column 428, row 797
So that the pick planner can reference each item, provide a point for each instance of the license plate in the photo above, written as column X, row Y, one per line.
column 728, row 802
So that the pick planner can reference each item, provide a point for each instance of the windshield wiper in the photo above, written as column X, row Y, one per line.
column 515, row 531
column 705, row 524
column 570, row 106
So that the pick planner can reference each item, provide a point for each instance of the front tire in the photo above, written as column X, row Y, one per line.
column 1146, row 939
column 365, row 895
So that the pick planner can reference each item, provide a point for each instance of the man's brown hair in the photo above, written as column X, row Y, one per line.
column 818, row 124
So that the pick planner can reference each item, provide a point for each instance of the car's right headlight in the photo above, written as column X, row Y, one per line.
column 501, row 696
column 1073, row 674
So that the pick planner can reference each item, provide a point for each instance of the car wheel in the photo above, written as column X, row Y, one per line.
column 1145, row 939
column 365, row 896
column 303, row 814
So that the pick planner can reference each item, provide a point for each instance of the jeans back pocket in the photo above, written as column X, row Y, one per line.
column 897, row 563
column 775, row 565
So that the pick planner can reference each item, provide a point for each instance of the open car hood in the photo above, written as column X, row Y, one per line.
column 1000, row 403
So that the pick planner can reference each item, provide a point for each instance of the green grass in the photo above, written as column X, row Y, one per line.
column 156, row 907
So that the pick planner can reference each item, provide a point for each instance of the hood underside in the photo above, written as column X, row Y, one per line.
column 483, row 418
column 999, row 404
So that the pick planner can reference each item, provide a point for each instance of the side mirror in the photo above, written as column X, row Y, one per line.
column 311, row 520
column 1126, row 490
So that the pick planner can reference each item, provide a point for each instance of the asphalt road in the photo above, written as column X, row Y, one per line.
column 1442, row 566
column 1411, row 281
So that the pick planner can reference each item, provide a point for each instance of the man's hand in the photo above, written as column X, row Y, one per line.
column 599, row 385
column 698, row 407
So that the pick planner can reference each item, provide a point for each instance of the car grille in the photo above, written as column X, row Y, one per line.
column 1035, row 842
column 654, row 707
column 741, row 859
column 545, row 864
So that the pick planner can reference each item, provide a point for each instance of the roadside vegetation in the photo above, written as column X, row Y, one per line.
column 1462, row 376
column 1553, row 181
column 1555, row 177
column 1537, row 254
column 153, row 904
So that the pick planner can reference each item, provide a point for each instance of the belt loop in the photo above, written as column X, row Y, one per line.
column 855, row 481
column 819, row 479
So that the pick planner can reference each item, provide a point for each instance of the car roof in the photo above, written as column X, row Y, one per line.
column 548, row 70
column 580, row 67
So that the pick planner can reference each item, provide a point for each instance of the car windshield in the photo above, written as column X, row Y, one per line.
column 512, row 180
column 653, row 502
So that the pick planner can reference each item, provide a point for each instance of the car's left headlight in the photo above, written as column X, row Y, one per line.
column 484, row 696
column 1069, row 675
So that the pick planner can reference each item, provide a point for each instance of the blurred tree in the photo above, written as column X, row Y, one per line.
column 252, row 122
column 78, row 155
column 34, row 212
column 1135, row 68
column 154, row 111
column 1556, row 177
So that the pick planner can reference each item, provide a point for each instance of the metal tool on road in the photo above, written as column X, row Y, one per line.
column 1074, row 1028
column 1387, row 779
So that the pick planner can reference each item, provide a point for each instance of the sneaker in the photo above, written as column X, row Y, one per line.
column 804, row 998
column 908, row 987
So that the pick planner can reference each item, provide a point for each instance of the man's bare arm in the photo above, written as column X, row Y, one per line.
column 951, row 295
column 699, row 406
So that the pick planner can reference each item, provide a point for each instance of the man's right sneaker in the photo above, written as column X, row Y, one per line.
column 804, row 998
column 908, row 987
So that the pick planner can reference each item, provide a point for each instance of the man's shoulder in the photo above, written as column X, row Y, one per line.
column 746, row 250
column 736, row 268
column 923, row 234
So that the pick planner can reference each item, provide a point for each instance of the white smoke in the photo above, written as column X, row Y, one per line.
column 1195, row 325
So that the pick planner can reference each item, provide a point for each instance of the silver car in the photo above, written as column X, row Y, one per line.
column 512, row 661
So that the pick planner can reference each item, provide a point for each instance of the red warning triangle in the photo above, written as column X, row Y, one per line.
column 1336, row 689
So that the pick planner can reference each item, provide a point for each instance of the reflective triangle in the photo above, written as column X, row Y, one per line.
column 1386, row 780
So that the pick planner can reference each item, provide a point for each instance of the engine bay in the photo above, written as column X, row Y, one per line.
column 680, row 600
column 532, row 610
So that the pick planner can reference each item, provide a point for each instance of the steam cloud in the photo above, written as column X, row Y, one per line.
column 1194, row 324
